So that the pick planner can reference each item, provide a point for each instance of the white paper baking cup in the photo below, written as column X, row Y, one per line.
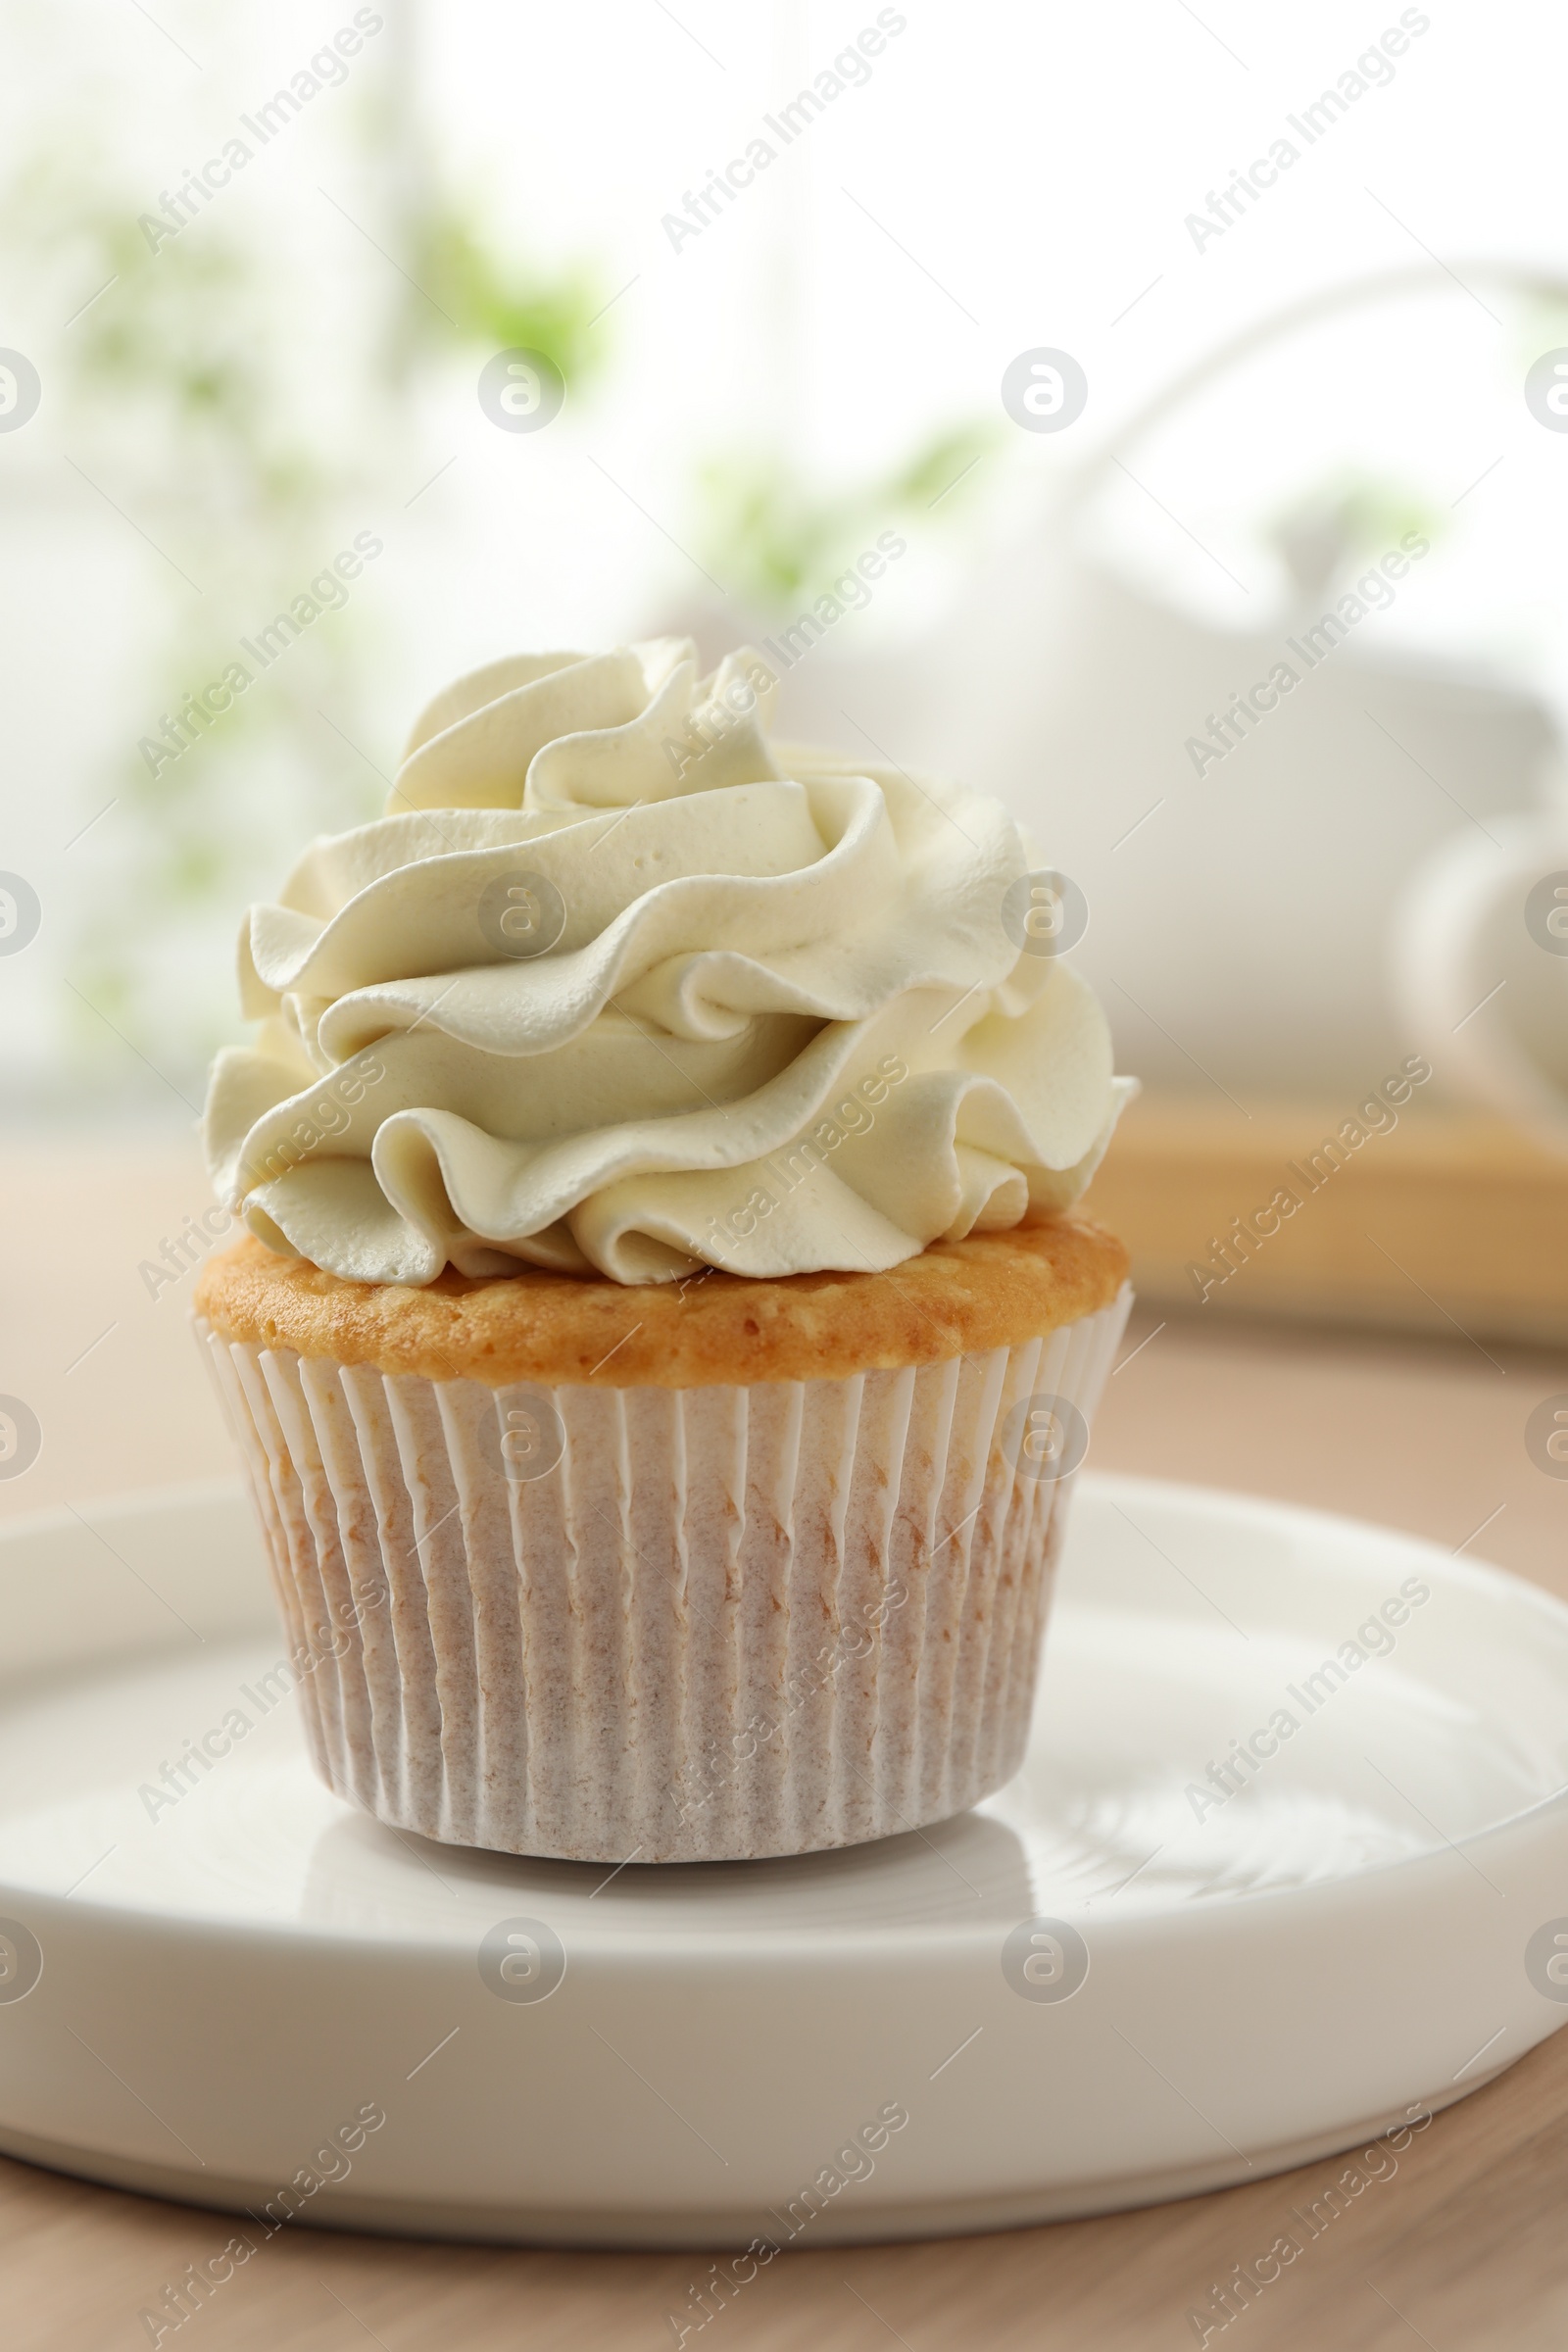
column 667, row 1624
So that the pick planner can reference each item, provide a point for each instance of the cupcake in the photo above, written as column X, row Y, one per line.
column 663, row 1336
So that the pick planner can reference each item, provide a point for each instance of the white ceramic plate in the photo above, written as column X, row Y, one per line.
column 229, row 1983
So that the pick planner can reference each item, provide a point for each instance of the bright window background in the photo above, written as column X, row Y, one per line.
column 300, row 364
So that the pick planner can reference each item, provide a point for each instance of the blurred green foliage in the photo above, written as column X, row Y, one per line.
column 1342, row 521
column 244, row 433
column 242, row 392
column 776, row 540
column 501, row 306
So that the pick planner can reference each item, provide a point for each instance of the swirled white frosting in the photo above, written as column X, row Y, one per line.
column 786, row 1024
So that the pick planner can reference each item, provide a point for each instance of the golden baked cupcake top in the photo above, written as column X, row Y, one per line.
column 962, row 1298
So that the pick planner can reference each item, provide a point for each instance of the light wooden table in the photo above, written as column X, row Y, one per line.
column 1463, row 2249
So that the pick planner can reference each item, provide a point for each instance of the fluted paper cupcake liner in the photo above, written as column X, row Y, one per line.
column 667, row 1624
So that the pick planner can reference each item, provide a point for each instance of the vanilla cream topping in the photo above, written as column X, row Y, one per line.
column 618, row 985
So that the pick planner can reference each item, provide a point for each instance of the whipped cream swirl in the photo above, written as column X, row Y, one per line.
column 618, row 986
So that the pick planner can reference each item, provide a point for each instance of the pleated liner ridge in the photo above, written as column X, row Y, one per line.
column 732, row 1622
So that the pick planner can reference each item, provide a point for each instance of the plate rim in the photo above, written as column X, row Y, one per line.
column 823, row 1939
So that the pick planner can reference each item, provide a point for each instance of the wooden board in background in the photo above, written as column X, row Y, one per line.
column 1449, row 1219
